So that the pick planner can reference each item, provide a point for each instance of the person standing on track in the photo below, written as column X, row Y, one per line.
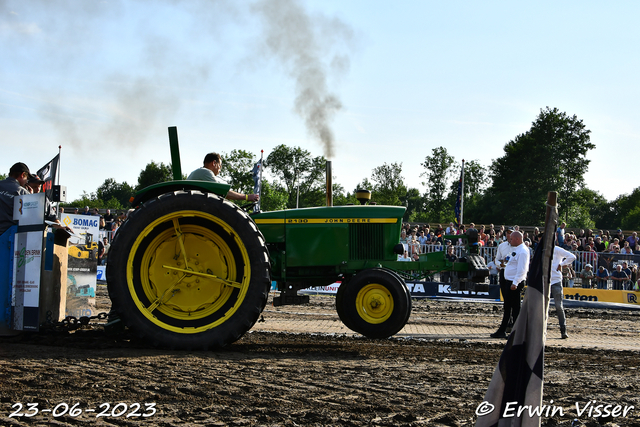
column 515, row 274
column 501, row 254
column 561, row 258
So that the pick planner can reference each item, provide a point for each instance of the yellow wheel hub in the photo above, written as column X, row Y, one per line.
column 188, row 271
column 374, row 303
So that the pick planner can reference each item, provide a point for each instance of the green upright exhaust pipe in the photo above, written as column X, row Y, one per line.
column 176, row 168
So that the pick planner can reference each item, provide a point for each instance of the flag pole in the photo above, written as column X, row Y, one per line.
column 462, row 197
column 261, row 167
column 458, row 208
column 257, row 180
column 59, row 162
column 58, row 183
column 548, row 239
column 518, row 379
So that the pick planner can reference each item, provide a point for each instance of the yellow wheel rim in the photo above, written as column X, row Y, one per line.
column 374, row 303
column 187, row 273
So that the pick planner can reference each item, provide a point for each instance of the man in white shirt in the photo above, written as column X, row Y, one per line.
column 451, row 229
column 516, row 267
column 493, row 273
column 561, row 258
column 210, row 170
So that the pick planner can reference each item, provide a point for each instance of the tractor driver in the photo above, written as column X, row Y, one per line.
column 209, row 172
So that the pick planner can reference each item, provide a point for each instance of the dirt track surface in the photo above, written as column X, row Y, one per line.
column 303, row 378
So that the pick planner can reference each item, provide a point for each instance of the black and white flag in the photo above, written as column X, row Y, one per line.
column 514, row 396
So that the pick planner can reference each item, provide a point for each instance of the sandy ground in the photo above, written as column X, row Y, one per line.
column 327, row 376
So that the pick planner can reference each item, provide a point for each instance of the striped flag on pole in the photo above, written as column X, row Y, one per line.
column 514, row 396
column 48, row 174
column 257, row 180
column 459, row 208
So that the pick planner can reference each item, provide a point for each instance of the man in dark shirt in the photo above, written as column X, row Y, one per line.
column 451, row 257
column 627, row 270
column 603, row 277
column 100, row 251
column 108, row 220
column 619, row 277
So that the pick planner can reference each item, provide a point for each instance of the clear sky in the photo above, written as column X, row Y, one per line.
column 388, row 80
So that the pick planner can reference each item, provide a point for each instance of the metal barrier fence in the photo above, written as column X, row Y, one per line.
column 488, row 253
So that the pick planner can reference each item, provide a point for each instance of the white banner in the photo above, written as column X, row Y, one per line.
column 83, row 264
column 27, row 261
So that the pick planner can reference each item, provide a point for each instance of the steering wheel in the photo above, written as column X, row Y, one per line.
column 247, row 207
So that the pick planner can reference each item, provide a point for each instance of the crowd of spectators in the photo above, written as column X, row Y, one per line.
column 586, row 244
column 624, row 274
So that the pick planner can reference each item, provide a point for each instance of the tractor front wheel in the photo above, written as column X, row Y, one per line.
column 375, row 303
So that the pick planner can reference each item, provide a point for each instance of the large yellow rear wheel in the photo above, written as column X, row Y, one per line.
column 189, row 270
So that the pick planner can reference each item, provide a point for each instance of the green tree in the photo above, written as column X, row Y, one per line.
column 154, row 173
column 416, row 206
column 388, row 184
column 340, row 198
column 438, row 173
column 114, row 195
column 364, row 185
column 274, row 197
column 476, row 179
column 551, row 156
column 2, row 176
column 85, row 199
column 578, row 216
column 237, row 170
column 627, row 208
column 595, row 204
column 631, row 221
column 300, row 174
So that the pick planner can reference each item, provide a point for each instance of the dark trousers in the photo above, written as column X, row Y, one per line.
column 511, row 301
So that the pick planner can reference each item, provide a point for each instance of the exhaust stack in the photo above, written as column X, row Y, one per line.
column 329, row 184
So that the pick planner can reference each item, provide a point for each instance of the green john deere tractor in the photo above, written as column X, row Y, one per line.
column 190, row 270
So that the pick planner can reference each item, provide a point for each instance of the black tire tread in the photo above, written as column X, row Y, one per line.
column 402, row 303
column 232, row 329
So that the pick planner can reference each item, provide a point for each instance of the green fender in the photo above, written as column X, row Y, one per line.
column 155, row 190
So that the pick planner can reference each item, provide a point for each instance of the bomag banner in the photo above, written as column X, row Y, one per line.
column 83, row 264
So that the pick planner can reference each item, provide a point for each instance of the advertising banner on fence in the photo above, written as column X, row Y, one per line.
column 424, row 290
column 610, row 261
column 83, row 264
column 601, row 295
